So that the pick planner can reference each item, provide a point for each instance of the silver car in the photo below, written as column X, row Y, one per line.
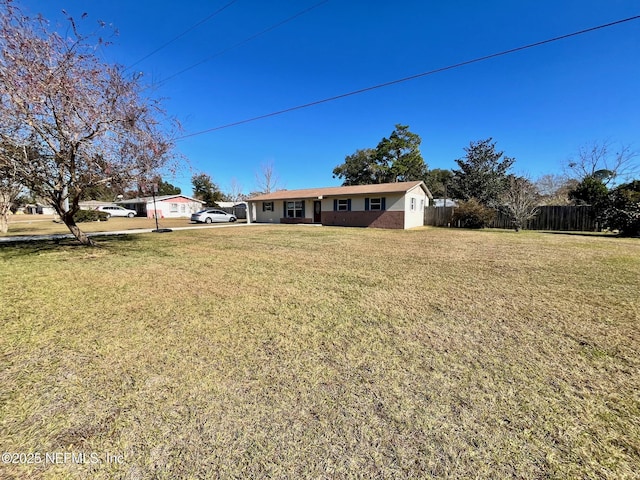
column 210, row 215
column 115, row 211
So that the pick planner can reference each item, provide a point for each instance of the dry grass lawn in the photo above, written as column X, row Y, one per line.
column 303, row 352
column 20, row 225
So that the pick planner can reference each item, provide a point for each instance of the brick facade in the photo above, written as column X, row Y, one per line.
column 296, row 220
column 374, row 219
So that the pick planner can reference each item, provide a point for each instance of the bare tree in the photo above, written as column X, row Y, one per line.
column 603, row 161
column 520, row 201
column 267, row 180
column 235, row 190
column 80, row 122
column 554, row 189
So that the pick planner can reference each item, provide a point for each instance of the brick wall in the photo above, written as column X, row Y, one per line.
column 296, row 220
column 374, row 219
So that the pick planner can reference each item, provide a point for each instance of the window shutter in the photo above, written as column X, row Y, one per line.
column 366, row 204
column 348, row 205
column 335, row 204
column 384, row 204
column 263, row 206
column 284, row 209
column 303, row 204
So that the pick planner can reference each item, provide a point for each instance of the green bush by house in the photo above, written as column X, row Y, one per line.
column 472, row 214
column 90, row 216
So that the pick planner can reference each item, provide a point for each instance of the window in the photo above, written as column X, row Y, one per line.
column 422, row 204
column 375, row 204
column 183, row 208
column 267, row 206
column 413, row 204
column 295, row 209
column 174, row 207
column 342, row 205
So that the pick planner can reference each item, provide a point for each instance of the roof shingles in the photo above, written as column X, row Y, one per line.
column 396, row 187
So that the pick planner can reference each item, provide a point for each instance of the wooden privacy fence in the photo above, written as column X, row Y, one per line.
column 239, row 212
column 552, row 217
column 438, row 216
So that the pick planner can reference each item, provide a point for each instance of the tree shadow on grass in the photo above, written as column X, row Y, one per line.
column 585, row 234
column 24, row 247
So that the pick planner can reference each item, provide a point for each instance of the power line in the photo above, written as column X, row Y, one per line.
column 190, row 29
column 243, row 42
column 412, row 77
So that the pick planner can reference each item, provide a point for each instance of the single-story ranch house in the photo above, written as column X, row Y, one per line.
column 384, row 205
column 166, row 206
column 39, row 209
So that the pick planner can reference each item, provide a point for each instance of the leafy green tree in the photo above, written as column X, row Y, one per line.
column 100, row 192
column 483, row 174
column 623, row 210
column 400, row 157
column 437, row 181
column 165, row 188
column 590, row 191
column 206, row 190
column 395, row 159
column 360, row 168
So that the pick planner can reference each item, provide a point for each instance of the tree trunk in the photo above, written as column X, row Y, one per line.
column 5, row 205
column 75, row 230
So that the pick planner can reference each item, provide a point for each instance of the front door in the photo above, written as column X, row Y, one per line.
column 317, row 211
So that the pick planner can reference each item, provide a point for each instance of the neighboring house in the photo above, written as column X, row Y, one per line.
column 385, row 205
column 39, row 209
column 166, row 206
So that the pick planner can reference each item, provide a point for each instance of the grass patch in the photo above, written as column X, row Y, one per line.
column 44, row 225
column 297, row 352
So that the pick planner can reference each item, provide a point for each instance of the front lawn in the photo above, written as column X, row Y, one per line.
column 320, row 352
column 20, row 225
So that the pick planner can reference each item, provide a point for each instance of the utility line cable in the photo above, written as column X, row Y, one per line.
column 243, row 42
column 188, row 30
column 412, row 77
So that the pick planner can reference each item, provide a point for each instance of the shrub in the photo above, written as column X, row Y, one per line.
column 591, row 191
column 472, row 214
column 623, row 212
column 90, row 216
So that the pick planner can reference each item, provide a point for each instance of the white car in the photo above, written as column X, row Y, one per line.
column 115, row 211
column 209, row 215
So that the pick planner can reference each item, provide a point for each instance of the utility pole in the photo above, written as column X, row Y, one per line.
column 154, row 189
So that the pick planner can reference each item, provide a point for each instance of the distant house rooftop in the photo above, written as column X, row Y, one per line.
column 231, row 204
column 159, row 198
column 440, row 202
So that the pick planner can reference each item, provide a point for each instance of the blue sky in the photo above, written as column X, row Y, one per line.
column 539, row 105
